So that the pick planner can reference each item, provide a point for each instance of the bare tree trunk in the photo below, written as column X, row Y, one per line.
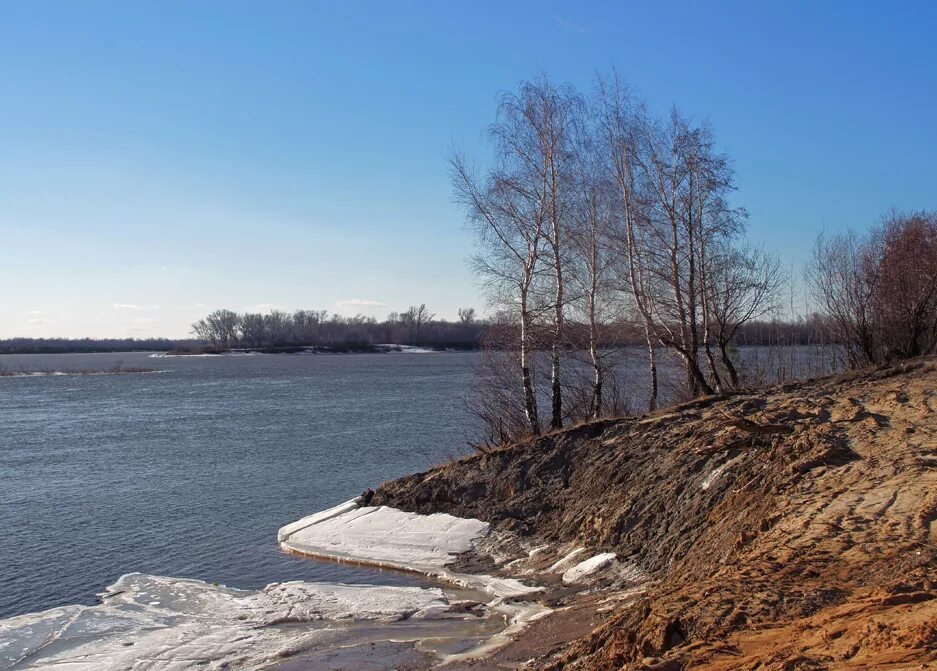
column 596, row 384
column 687, row 349
column 704, row 291
column 692, row 297
column 707, row 335
column 652, row 365
column 593, row 329
column 707, row 339
column 639, row 297
column 556, row 419
column 696, row 378
column 530, row 400
column 556, row 391
column 727, row 362
column 713, row 371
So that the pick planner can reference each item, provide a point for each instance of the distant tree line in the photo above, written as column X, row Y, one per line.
column 87, row 345
column 277, row 329
column 812, row 330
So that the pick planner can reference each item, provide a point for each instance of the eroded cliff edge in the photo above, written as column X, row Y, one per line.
column 789, row 528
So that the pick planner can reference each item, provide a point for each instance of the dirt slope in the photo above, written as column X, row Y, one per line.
column 794, row 528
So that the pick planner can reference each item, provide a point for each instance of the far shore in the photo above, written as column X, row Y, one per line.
column 188, row 349
column 386, row 348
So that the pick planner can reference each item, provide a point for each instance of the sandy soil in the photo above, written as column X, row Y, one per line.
column 793, row 528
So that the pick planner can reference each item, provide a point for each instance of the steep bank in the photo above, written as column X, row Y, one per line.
column 793, row 528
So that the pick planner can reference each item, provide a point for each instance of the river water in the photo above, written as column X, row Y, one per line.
column 191, row 471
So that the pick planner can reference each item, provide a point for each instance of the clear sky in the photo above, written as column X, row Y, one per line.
column 160, row 158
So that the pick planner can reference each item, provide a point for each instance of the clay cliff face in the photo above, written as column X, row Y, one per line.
column 794, row 528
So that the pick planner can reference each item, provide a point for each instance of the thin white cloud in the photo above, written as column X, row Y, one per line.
column 132, row 306
column 360, row 304
column 36, row 321
column 34, row 312
column 566, row 24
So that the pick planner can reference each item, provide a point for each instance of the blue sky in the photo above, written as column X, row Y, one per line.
column 158, row 159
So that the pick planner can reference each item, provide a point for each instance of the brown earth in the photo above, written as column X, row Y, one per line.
column 792, row 528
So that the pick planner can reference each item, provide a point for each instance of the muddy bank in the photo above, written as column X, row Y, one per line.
column 793, row 528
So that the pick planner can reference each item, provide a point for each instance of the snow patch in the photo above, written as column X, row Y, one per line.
column 588, row 567
column 530, row 555
column 716, row 473
column 566, row 562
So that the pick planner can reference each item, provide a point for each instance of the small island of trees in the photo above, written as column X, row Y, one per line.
column 279, row 331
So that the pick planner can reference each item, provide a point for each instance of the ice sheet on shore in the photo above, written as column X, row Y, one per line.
column 154, row 623
column 383, row 536
column 388, row 537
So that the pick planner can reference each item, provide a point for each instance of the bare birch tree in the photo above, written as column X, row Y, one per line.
column 618, row 119
column 743, row 284
column 538, row 125
column 508, row 211
column 592, row 262
column 684, row 184
column 588, row 204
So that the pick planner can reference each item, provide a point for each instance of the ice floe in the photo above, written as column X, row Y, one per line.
column 383, row 536
column 154, row 623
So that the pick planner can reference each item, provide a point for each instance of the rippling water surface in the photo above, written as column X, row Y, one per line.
column 189, row 472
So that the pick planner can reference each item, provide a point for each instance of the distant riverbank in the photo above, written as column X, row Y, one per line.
column 191, row 346
column 385, row 348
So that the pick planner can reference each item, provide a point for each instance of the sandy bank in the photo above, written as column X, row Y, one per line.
column 789, row 528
